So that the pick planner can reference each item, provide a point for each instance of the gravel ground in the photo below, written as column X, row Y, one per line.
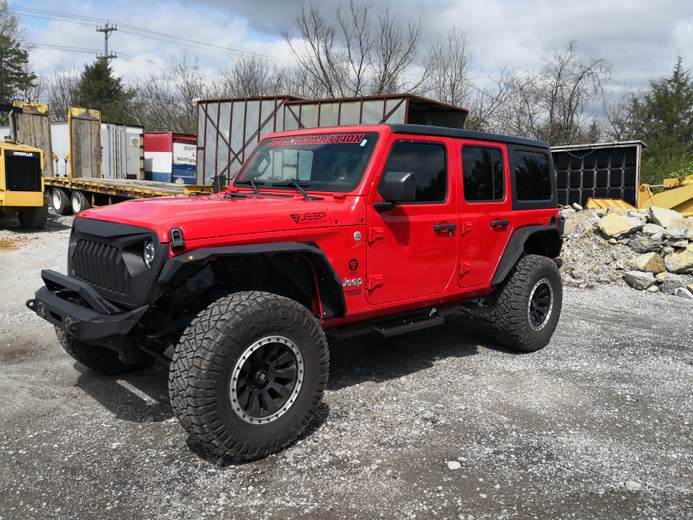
column 435, row 424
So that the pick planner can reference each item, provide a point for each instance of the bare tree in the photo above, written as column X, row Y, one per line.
column 301, row 83
column 158, row 105
column 449, row 70
column 60, row 90
column 354, row 55
column 252, row 76
column 191, row 87
column 359, row 43
column 321, row 58
column 619, row 116
column 552, row 106
column 489, row 104
column 396, row 49
column 168, row 102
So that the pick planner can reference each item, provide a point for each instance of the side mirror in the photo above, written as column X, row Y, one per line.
column 396, row 187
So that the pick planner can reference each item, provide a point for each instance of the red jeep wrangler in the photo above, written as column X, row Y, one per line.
column 329, row 231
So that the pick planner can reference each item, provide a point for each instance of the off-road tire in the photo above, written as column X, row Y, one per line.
column 528, row 304
column 227, row 343
column 60, row 202
column 98, row 358
column 33, row 218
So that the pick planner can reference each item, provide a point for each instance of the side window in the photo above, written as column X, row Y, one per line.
column 532, row 176
column 483, row 174
column 428, row 161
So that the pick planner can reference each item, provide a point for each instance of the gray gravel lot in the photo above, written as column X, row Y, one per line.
column 435, row 424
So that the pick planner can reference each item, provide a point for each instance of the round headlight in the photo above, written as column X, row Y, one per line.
column 148, row 253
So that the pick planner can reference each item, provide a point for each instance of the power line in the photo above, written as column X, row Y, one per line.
column 83, row 50
column 137, row 31
column 125, row 57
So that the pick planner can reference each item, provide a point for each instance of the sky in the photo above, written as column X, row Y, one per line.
column 641, row 38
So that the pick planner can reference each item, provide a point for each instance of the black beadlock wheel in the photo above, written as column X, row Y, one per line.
column 248, row 374
column 528, row 304
column 99, row 358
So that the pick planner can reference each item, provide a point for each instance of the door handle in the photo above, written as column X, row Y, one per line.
column 444, row 227
column 500, row 223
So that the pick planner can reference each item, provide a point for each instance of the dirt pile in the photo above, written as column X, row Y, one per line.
column 646, row 249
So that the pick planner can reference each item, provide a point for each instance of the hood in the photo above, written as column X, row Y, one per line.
column 212, row 216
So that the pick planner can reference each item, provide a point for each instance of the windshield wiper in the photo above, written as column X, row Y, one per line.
column 295, row 183
column 253, row 183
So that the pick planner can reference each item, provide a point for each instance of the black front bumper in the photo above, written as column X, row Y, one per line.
column 79, row 310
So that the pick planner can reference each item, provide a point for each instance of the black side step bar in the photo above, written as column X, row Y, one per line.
column 400, row 327
column 412, row 321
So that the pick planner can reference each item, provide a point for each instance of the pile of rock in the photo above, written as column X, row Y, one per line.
column 647, row 249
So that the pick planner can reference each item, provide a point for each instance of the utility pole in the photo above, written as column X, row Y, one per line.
column 107, row 30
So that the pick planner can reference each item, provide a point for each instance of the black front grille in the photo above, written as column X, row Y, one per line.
column 23, row 173
column 102, row 266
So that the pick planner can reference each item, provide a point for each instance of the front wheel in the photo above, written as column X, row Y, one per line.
column 248, row 374
column 528, row 304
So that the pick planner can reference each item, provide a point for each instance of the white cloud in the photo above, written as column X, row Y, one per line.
column 639, row 37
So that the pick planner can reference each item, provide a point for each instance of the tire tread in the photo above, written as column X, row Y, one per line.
column 198, row 363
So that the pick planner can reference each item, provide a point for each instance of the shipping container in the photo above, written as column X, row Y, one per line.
column 600, row 170
column 229, row 129
column 122, row 151
column 170, row 157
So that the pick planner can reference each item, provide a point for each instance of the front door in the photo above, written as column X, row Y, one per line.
column 413, row 248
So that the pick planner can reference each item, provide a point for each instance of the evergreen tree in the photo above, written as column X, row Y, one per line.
column 99, row 89
column 15, row 77
column 663, row 118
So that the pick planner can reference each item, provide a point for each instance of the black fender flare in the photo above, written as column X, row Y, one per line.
column 329, row 284
column 546, row 240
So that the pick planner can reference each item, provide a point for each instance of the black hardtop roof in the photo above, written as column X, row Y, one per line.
column 441, row 131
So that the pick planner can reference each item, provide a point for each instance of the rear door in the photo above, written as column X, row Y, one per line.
column 486, row 217
column 413, row 248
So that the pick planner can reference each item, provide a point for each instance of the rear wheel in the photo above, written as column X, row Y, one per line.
column 248, row 374
column 33, row 218
column 98, row 358
column 528, row 305
column 79, row 202
column 60, row 202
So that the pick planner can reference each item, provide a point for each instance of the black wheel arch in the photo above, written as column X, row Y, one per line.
column 537, row 240
column 293, row 269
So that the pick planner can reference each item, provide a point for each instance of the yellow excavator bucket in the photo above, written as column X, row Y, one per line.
column 607, row 203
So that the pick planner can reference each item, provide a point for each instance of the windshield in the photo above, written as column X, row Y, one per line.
column 321, row 162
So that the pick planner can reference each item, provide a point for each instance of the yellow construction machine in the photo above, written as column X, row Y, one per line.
column 21, row 178
column 676, row 194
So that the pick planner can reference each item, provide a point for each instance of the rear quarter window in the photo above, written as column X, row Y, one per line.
column 532, row 177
